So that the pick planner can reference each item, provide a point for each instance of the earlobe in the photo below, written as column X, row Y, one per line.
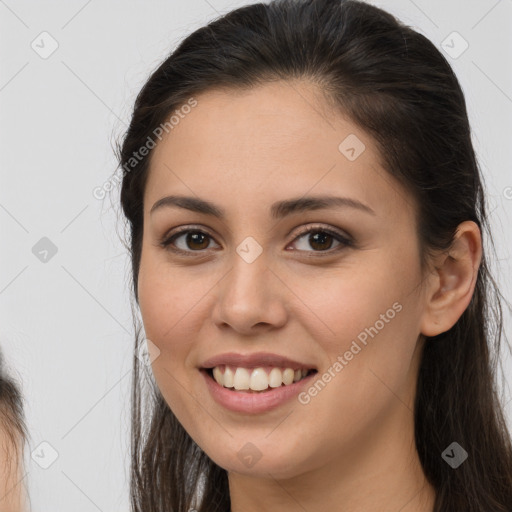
column 453, row 281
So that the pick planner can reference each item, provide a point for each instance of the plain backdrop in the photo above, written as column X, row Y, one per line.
column 69, row 74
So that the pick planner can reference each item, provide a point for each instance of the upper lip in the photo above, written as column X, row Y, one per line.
column 254, row 361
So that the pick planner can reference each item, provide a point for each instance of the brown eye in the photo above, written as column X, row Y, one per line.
column 192, row 241
column 321, row 240
column 196, row 240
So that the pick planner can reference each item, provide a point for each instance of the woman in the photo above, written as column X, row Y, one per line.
column 13, row 497
column 306, row 221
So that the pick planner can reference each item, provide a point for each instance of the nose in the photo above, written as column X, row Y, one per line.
column 251, row 298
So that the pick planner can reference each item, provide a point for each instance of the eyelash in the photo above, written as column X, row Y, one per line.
column 345, row 242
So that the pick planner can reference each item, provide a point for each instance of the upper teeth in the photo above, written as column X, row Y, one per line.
column 256, row 379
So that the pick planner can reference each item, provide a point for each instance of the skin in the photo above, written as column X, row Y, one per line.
column 12, row 491
column 352, row 445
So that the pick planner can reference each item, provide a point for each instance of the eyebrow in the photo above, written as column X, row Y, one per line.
column 278, row 210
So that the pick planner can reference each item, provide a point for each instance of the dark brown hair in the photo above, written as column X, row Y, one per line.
column 12, row 422
column 396, row 85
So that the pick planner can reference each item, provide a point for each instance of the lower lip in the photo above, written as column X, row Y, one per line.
column 253, row 403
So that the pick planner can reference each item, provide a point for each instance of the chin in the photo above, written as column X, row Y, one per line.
column 261, row 459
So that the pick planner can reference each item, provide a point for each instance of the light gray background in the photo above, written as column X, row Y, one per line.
column 66, row 324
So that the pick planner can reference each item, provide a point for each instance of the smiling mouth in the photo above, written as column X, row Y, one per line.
column 266, row 386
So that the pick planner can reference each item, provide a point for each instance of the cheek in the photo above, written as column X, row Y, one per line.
column 167, row 299
column 168, row 304
column 173, row 304
column 344, row 302
column 367, row 315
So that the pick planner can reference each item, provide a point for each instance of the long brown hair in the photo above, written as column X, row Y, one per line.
column 14, row 435
column 393, row 82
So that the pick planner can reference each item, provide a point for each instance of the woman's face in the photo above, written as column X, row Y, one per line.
column 251, row 281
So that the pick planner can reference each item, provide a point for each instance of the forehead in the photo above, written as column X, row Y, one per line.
column 273, row 141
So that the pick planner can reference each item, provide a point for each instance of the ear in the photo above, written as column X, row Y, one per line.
column 451, row 284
